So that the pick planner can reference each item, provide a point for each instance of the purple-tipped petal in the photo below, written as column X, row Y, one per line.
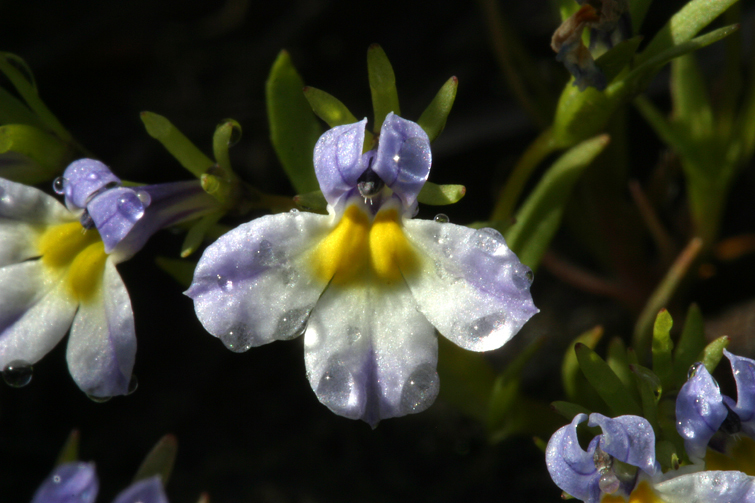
column 339, row 162
column 571, row 467
column 370, row 354
column 629, row 439
column 83, row 179
column 69, row 483
column 469, row 285
column 699, row 411
column 102, row 345
column 744, row 375
column 115, row 212
column 253, row 285
column 403, row 157
column 145, row 491
column 708, row 487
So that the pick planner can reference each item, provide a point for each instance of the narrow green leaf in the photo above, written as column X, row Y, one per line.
column 568, row 409
column 619, row 363
column 614, row 61
column 174, row 141
column 670, row 133
column 689, row 94
column 440, row 195
column 433, row 119
column 48, row 151
column 662, row 348
column 197, row 233
column 328, row 107
column 606, row 382
column 180, row 270
column 504, row 397
column 540, row 216
column 691, row 344
column 70, row 451
column 713, row 352
column 649, row 387
column 637, row 11
column 382, row 85
column 294, row 129
column 312, row 201
column 467, row 377
column 159, row 461
column 13, row 111
column 570, row 373
column 665, row 453
column 227, row 134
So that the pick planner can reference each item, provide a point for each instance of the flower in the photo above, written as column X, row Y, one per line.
column 367, row 285
column 77, row 482
column 57, row 269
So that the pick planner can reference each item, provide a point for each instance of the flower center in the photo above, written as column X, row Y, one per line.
column 643, row 493
column 80, row 252
column 360, row 248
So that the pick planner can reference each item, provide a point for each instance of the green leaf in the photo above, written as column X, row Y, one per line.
column 637, row 11
column 670, row 133
column 13, row 111
column 569, row 410
column 691, row 105
column 174, row 141
column 197, row 233
column 294, row 129
column 440, row 195
column 312, row 201
column 227, row 134
column 382, row 85
column 540, row 216
column 662, row 348
column 649, row 387
column 614, row 61
column 159, row 461
column 180, row 270
column 50, row 153
column 713, row 352
column 606, row 382
column 570, row 373
column 70, row 451
column 665, row 453
column 467, row 377
column 619, row 363
column 328, row 107
column 433, row 119
column 691, row 344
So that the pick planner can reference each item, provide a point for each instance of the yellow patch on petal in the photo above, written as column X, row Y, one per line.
column 82, row 252
column 359, row 250
column 643, row 493
column 740, row 457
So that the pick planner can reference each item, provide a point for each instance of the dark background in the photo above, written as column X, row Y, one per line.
column 248, row 425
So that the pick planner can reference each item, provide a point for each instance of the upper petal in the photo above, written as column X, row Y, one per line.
column 69, row 483
column 84, row 178
column 471, row 286
column 370, row 354
column 145, row 491
column 115, row 212
column 403, row 157
column 571, row 467
column 708, row 487
column 699, row 411
column 744, row 375
column 629, row 439
column 252, row 286
column 102, row 345
column 338, row 160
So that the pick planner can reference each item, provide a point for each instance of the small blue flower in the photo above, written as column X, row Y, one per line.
column 366, row 285
column 77, row 483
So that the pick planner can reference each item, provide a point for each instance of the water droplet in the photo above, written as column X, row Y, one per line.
column 353, row 334
column 480, row 329
column 442, row 218
column 530, row 276
column 99, row 399
column 237, row 339
column 144, row 197
column 225, row 283
column 420, row 389
column 265, row 253
column 609, row 483
column 133, row 384
column 131, row 207
column 336, row 385
column 522, row 276
column 56, row 479
column 293, row 210
column 18, row 373
column 693, row 370
column 293, row 323
column 488, row 240
column 59, row 184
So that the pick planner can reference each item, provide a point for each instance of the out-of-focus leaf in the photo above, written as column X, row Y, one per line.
column 619, row 363
column 662, row 348
column 467, row 379
column 606, row 382
column 174, row 141
column 227, row 134
column 21, row 169
column 649, row 386
column 49, row 152
column 440, row 195
column 180, row 270
column 70, row 451
column 570, row 372
column 568, row 409
column 312, row 201
column 540, row 216
column 670, row 134
column 690, row 345
column 614, row 61
column 713, row 353
column 159, row 461
column 637, row 11
column 13, row 111
column 433, row 119
column 665, row 453
column 691, row 104
column 382, row 85
column 294, row 129
column 197, row 232
column 328, row 107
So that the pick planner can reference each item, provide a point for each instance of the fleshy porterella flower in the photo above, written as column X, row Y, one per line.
column 77, row 483
column 57, row 269
column 366, row 285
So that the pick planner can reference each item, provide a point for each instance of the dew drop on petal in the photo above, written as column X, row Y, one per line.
column 237, row 338
column 144, row 197
column 488, row 240
column 265, row 254
column 293, row 323
column 522, row 276
column 133, row 384
column 58, row 185
column 336, row 385
column 99, row 399
column 481, row 328
column 353, row 334
column 608, row 482
column 693, row 370
column 129, row 208
column 225, row 284
column 293, row 210
column 442, row 218
column 18, row 373
column 56, row 479
column 420, row 389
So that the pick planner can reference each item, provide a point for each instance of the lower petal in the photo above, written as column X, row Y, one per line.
column 71, row 482
column 708, row 487
column 370, row 354
column 102, row 345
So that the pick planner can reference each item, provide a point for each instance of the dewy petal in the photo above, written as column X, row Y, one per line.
column 471, row 286
column 251, row 286
column 338, row 161
column 629, row 439
column 403, row 157
column 84, row 178
column 572, row 468
column 36, row 314
column 24, row 212
column 743, row 370
column 69, row 483
column 708, row 487
column 145, row 491
column 102, row 344
column 699, row 411
column 115, row 212
column 370, row 354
